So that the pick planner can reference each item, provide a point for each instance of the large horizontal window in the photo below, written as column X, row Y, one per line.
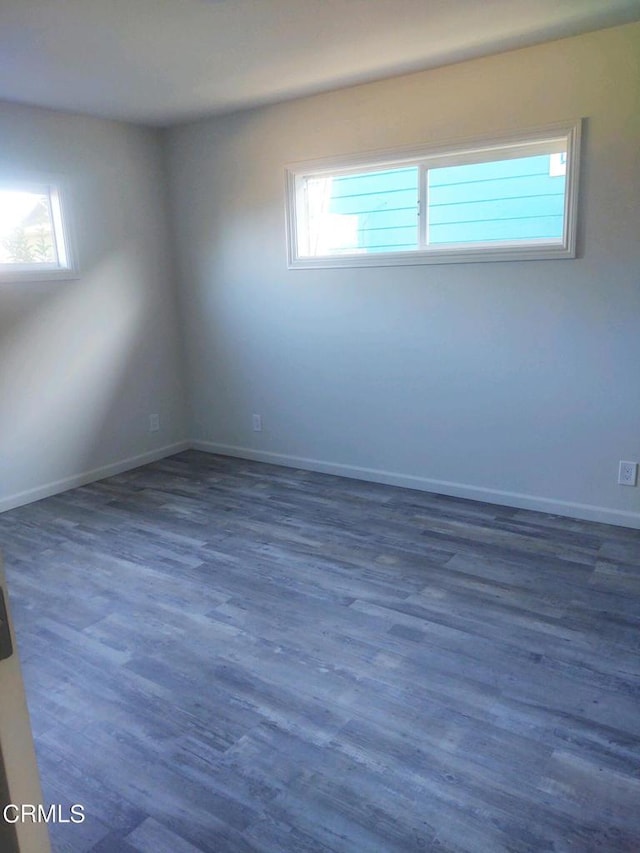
column 512, row 198
column 34, row 235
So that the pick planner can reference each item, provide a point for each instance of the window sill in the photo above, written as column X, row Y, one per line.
column 469, row 255
column 26, row 276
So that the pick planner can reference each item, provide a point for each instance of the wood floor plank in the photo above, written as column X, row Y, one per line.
column 223, row 656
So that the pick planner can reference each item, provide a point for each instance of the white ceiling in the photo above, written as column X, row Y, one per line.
column 160, row 62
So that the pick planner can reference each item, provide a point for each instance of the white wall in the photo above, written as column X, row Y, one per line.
column 513, row 382
column 83, row 362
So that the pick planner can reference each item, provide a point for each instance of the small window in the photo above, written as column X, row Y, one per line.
column 34, row 237
column 507, row 199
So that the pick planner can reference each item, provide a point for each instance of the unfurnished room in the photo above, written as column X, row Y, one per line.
column 320, row 426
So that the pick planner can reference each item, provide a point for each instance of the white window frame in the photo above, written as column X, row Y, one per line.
column 67, row 266
column 561, row 135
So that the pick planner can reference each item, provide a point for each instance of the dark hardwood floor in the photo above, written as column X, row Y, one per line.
column 227, row 656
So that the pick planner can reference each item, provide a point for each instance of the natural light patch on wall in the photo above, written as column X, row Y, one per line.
column 61, row 368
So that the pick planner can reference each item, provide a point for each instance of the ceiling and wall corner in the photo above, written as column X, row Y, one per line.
column 160, row 62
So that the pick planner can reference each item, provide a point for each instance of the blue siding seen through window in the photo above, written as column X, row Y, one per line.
column 385, row 204
column 508, row 200
column 505, row 200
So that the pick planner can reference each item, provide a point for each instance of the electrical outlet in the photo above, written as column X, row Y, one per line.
column 154, row 423
column 628, row 473
column 257, row 423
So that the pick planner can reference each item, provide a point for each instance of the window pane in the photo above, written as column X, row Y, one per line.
column 361, row 213
column 26, row 228
column 517, row 199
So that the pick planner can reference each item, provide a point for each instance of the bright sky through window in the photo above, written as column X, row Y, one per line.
column 35, row 242
column 26, row 228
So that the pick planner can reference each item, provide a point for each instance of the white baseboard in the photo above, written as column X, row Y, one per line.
column 552, row 506
column 54, row 488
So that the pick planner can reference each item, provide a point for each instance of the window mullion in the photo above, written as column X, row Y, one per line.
column 423, row 207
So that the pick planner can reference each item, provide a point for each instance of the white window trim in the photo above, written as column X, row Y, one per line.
column 522, row 143
column 67, row 268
